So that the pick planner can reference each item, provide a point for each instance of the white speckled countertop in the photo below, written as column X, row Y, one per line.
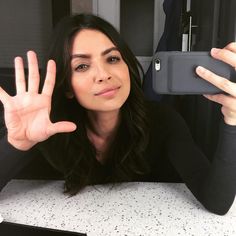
column 132, row 209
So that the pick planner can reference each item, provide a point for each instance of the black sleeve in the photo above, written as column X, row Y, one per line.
column 23, row 164
column 212, row 183
column 12, row 161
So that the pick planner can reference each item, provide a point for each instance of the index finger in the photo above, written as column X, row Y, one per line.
column 220, row 82
column 49, row 82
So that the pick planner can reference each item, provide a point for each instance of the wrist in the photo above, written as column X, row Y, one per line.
column 20, row 145
column 230, row 121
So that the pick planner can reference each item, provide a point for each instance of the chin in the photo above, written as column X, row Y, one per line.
column 108, row 107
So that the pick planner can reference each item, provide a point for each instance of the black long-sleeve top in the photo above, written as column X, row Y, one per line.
column 171, row 153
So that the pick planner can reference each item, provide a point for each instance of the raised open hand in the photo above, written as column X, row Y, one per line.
column 27, row 114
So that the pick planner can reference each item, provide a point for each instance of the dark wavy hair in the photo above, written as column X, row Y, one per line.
column 73, row 153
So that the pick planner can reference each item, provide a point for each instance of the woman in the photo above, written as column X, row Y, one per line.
column 96, row 127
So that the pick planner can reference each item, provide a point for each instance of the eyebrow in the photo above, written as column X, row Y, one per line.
column 89, row 56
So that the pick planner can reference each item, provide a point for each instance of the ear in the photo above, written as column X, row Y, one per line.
column 69, row 95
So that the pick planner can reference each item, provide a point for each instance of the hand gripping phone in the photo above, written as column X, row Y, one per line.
column 174, row 72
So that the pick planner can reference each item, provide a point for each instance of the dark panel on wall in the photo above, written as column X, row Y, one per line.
column 60, row 9
column 136, row 25
column 205, row 15
column 227, row 23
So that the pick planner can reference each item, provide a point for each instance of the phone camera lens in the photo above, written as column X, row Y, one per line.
column 157, row 64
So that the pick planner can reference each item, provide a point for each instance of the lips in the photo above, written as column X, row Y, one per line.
column 107, row 91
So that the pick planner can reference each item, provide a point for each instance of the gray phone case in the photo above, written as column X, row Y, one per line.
column 174, row 72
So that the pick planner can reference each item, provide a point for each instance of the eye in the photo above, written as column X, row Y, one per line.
column 82, row 67
column 113, row 59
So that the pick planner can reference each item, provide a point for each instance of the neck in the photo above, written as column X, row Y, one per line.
column 101, row 131
column 103, row 124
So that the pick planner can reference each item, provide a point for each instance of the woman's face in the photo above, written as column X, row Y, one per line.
column 100, row 77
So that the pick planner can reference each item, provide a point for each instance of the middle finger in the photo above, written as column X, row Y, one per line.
column 33, row 83
column 224, row 55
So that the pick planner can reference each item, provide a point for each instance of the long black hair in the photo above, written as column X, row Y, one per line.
column 73, row 153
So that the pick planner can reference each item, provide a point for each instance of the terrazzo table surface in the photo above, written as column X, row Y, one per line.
column 127, row 209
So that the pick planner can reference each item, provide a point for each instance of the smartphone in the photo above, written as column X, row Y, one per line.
column 174, row 72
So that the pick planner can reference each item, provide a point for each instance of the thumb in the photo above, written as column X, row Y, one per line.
column 61, row 127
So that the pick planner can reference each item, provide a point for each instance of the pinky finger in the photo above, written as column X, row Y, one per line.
column 4, row 97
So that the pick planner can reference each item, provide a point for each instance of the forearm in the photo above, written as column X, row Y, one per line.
column 213, row 184
column 11, row 161
column 218, row 190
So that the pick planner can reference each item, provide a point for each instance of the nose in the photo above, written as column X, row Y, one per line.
column 101, row 74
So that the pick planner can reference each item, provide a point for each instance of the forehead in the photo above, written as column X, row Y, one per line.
column 88, row 40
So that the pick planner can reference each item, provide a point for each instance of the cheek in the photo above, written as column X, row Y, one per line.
column 128, row 88
column 80, row 89
column 127, row 79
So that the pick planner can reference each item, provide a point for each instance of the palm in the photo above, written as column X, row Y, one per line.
column 27, row 117
column 27, row 114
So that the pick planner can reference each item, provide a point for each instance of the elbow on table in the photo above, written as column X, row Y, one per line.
column 2, row 185
column 220, row 208
column 218, row 211
column 217, row 202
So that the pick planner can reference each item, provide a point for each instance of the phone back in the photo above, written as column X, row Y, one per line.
column 174, row 72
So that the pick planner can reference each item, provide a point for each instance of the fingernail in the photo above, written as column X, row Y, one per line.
column 215, row 50
column 200, row 69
